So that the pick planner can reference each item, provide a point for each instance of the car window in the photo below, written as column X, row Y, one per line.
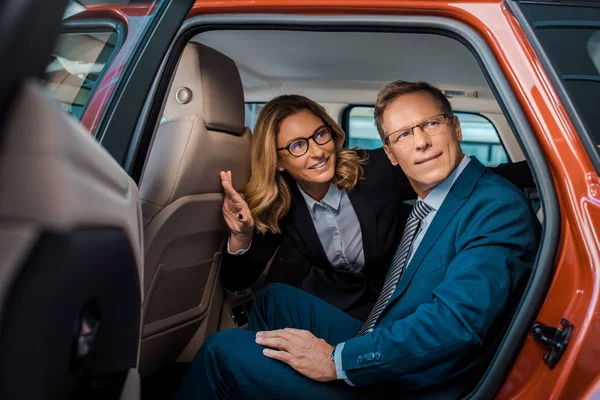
column 84, row 51
column 480, row 138
column 570, row 37
column 77, row 64
column 105, row 62
column 252, row 110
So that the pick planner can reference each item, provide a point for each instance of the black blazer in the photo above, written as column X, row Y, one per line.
column 302, row 262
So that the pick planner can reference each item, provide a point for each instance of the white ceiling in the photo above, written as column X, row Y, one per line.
column 341, row 68
column 348, row 67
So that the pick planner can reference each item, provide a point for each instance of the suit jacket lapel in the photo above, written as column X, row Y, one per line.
column 302, row 222
column 458, row 195
column 368, row 224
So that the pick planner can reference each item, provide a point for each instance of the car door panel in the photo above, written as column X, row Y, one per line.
column 182, row 198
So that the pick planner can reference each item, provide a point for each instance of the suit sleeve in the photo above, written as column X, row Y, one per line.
column 496, row 242
column 241, row 271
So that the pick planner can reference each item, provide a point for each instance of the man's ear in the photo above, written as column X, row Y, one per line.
column 390, row 155
column 457, row 128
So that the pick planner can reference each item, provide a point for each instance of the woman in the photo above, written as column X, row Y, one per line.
column 336, row 214
column 338, row 249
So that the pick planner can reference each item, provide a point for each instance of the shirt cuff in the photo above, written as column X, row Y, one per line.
column 240, row 251
column 337, row 359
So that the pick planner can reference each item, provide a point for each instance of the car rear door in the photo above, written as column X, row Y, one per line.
column 70, row 222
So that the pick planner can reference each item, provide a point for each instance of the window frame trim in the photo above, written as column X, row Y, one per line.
column 583, row 134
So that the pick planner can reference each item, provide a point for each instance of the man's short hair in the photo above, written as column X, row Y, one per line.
column 395, row 89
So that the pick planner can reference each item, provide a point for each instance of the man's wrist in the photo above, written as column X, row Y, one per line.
column 333, row 367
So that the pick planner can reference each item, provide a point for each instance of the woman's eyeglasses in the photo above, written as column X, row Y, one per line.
column 299, row 147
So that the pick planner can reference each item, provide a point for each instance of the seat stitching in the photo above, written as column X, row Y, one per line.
column 178, row 119
column 154, row 204
column 202, row 91
column 182, row 158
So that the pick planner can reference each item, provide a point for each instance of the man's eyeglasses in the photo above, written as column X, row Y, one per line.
column 431, row 126
column 299, row 147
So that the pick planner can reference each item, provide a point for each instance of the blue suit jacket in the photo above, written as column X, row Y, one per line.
column 482, row 241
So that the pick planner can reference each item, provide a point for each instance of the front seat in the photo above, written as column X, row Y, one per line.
column 201, row 133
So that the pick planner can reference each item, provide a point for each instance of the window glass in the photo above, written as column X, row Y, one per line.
column 77, row 64
column 480, row 137
column 570, row 37
column 93, row 53
column 252, row 110
column 361, row 128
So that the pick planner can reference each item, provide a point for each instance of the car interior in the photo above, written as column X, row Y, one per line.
column 222, row 78
column 343, row 71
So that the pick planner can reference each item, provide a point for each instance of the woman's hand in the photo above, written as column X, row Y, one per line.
column 237, row 215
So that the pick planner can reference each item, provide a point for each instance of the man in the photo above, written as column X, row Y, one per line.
column 468, row 244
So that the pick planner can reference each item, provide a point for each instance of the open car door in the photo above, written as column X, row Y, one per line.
column 70, row 216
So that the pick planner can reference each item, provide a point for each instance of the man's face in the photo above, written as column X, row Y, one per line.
column 426, row 159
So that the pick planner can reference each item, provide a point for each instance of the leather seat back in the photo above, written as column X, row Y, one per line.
column 202, row 133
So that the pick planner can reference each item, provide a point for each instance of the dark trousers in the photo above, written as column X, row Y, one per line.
column 230, row 365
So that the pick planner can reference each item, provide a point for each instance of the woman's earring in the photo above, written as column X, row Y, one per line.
column 280, row 169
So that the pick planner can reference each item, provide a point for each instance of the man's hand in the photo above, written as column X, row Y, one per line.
column 301, row 350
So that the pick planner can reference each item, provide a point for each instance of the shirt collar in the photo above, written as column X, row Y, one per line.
column 437, row 196
column 332, row 198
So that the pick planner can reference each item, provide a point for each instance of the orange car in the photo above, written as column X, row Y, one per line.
column 110, row 241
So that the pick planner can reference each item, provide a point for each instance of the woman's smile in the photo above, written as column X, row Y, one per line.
column 321, row 165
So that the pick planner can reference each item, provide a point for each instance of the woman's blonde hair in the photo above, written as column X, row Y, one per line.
column 267, row 193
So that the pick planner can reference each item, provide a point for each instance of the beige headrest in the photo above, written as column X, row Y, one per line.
column 202, row 132
column 207, row 83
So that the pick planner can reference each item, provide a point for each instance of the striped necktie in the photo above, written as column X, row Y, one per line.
column 420, row 211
